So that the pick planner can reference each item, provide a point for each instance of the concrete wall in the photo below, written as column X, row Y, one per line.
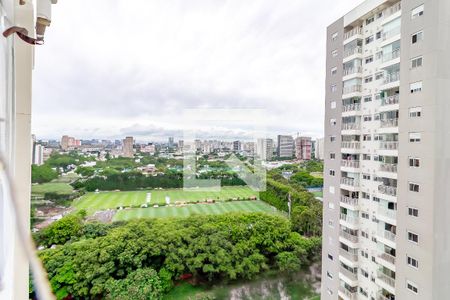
column 330, row 243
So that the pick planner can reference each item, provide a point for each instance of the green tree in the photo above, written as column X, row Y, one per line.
column 43, row 173
column 142, row 284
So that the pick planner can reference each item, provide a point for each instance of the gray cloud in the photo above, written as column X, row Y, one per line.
column 111, row 68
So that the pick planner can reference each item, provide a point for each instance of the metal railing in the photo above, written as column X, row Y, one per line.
column 351, row 71
column 387, row 257
column 389, row 123
column 391, row 55
column 387, row 190
column 394, row 99
column 392, row 10
column 347, row 293
column 352, row 89
column 380, row 296
column 348, row 255
column 392, row 77
column 351, row 107
column 348, row 274
column 351, row 145
column 349, row 219
column 388, row 145
column 392, row 168
column 348, row 236
column 349, row 200
column 387, row 235
column 354, row 31
column 386, row 278
column 390, row 213
column 351, row 126
column 393, row 32
column 354, row 50
column 349, row 181
column 350, row 163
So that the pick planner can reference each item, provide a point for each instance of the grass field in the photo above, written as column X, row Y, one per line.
column 104, row 200
column 190, row 209
column 51, row 187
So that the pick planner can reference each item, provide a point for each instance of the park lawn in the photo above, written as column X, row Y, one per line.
column 109, row 200
column 51, row 187
column 317, row 174
column 318, row 194
column 200, row 209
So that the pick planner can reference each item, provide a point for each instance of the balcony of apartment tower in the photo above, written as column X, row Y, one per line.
column 349, row 218
column 385, row 295
column 350, row 273
column 388, row 166
column 353, row 49
column 386, row 233
column 349, row 236
column 350, row 162
column 349, row 199
column 386, row 279
column 347, row 291
column 387, row 211
column 351, row 124
column 351, row 144
column 352, row 69
column 348, row 253
column 386, row 256
column 351, row 106
column 388, row 144
column 388, row 186
column 352, row 88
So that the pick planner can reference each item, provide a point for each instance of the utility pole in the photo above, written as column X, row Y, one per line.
column 289, row 205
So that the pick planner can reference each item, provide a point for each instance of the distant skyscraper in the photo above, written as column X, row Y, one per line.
column 318, row 151
column 237, row 146
column 65, row 142
column 303, row 147
column 264, row 149
column 38, row 154
column 171, row 144
column 127, row 148
column 285, row 146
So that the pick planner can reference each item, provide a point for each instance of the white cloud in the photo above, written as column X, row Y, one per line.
column 110, row 65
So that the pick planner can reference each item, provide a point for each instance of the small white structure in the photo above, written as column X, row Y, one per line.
column 167, row 200
column 149, row 197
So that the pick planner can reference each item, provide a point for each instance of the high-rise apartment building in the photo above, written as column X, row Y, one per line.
column 386, row 205
column 319, row 151
column 38, row 154
column 264, row 149
column 303, row 147
column 285, row 146
column 127, row 147
column 237, row 146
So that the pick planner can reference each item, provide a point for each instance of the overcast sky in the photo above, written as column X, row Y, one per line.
column 114, row 68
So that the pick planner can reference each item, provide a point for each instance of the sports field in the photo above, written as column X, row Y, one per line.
column 190, row 209
column 104, row 200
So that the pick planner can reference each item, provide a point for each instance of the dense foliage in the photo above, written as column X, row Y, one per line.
column 42, row 174
column 129, row 181
column 223, row 247
column 306, row 211
column 307, row 180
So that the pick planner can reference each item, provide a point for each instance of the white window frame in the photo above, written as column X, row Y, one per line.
column 410, row 183
column 334, row 36
column 416, row 60
column 408, row 282
column 413, row 209
column 418, row 11
column 333, row 71
column 414, row 137
column 408, row 258
column 415, row 112
column 333, row 104
column 414, row 233
column 419, row 34
column 415, row 87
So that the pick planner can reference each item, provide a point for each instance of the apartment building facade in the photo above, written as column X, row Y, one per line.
column 285, row 146
column 264, row 149
column 386, row 187
column 127, row 147
column 303, row 147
